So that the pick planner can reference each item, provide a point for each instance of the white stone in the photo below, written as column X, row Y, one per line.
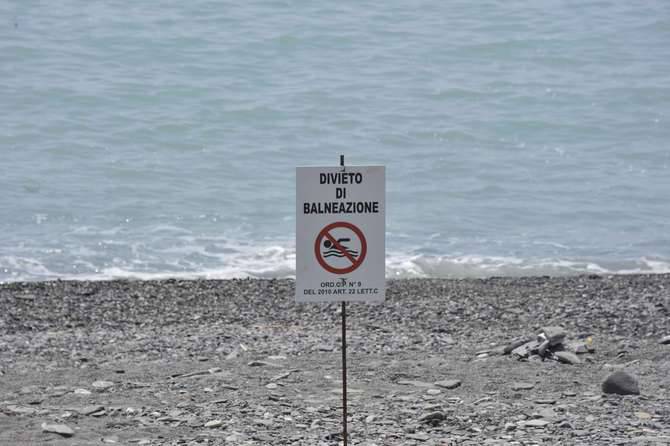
column 102, row 385
column 214, row 423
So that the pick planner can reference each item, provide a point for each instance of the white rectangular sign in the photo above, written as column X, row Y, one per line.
column 340, row 234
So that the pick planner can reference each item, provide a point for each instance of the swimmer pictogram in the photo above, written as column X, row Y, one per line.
column 340, row 247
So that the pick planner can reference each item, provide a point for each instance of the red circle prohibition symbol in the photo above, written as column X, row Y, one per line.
column 325, row 233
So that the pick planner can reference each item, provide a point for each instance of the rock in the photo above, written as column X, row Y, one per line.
column 102, row 385
column 555, row 335
column 405, row 382
column 21, row 410
column 665, row 340
column 214, row 423
column 535, row 423
column 522, row 386
column 82, row 392
column 282, row 375
column 433, row 392
column 90, row 410
column 433, row 418
column 523, row 351
column 192, row 374
column 547, row 413
column 643, row 415
column 515, row 343
column 581, row 346
column 542, row 349
column 448, row 383
column 27, row 390
column 233, row 354
column 111, row 439
column 60, row 429
column 545, row 401
column 261, row 364
column 567, row 358
column 621, row 383
column 236, row 437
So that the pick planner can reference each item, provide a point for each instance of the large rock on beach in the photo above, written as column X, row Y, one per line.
column 60, row 429
column 555, row 335
column 567, row 358
column 621, row 383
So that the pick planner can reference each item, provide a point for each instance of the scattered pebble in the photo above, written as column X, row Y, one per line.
column 214, row 423
column 643, row 415
column 102, row 385
column 398, row 366
column 90, row 410
column 448, row 383
column 522, row 386
column 535, row 423
column 21, row 410
column 433, row 418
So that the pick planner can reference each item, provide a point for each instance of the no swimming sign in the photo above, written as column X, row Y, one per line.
column 340, row 234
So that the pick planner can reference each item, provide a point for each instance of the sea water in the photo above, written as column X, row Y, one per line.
column 160, row 139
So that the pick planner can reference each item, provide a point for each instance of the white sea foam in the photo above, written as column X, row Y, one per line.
column 275, row 261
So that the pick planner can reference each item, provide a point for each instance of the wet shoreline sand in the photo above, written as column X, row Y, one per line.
column 237, row 362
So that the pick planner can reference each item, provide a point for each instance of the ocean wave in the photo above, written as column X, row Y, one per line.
column 279, row 262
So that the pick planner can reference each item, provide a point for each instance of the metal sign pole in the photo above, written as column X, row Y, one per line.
column 344, row 359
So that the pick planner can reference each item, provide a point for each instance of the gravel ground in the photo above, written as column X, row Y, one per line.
column 238, row 363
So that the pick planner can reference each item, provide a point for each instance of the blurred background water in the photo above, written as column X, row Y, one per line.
column 159, row 139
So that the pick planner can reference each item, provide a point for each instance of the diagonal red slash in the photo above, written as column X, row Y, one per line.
column 325, row 233
column 339, row 247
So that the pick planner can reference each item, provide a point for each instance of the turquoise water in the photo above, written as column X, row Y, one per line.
column 159, row 139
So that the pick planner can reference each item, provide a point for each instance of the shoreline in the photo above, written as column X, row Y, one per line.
column 183, row 353
column 279, row 262
column 197, row 278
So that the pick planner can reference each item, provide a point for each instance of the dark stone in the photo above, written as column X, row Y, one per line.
column 433, row 418
column 621, row 383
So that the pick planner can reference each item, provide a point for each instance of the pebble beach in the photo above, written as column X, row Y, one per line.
column 237, row 362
